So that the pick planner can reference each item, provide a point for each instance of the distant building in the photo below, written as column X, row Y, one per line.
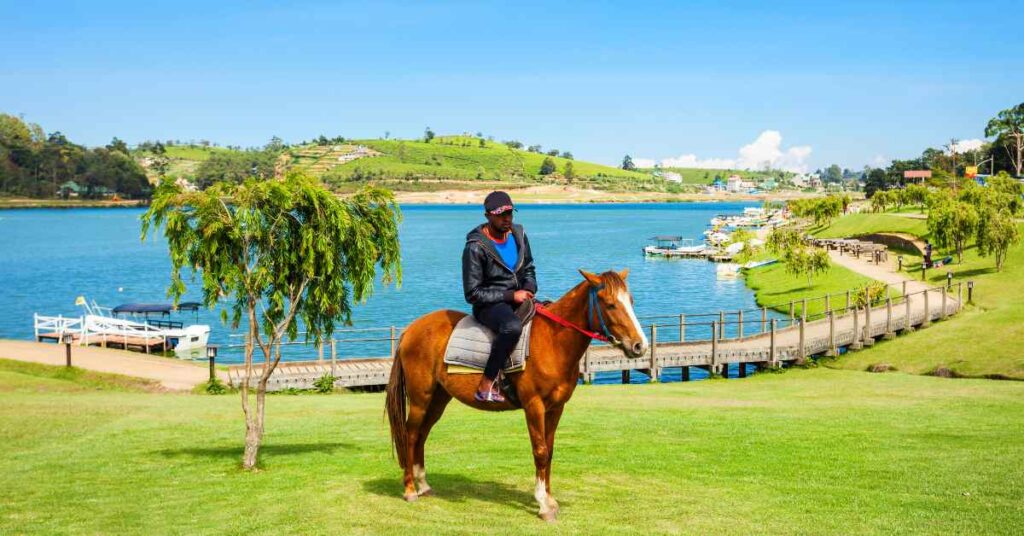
column 69, row 189
column 672, row 176
column 734, row 183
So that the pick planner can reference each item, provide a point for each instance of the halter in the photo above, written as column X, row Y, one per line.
column 592, row 309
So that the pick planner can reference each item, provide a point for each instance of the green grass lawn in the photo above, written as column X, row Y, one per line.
column 774, row 288
column 985, row 340
column 805, row 452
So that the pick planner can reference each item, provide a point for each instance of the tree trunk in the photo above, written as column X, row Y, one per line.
column 254, row 428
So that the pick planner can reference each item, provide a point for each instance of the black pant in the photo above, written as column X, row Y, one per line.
column 502, row 320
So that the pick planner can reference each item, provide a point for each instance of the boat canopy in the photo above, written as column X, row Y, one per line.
column 666, row 238
column 147, row 308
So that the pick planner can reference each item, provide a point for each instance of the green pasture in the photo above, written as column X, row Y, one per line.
column 804, row 452
column 774, row 288
column 707, row 176
column 864, row 223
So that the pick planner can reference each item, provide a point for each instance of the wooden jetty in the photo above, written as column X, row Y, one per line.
column 124, row 342
column 735, row 337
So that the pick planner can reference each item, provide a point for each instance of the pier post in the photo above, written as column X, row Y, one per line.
column 828, row 303
column 764, row 319
column 741, row 369
column 721, row 325
column 801, row 347
column 792, row 314
column 654, row 353
column 588, row 376
column 685, row 373
column 847, row 308
column 904, row 287
column 942, row 313
column 803, row 310
column 927, row 311
column 682, row 328
column 831, row 352
column 908, row 324
column 393, row 342
column 773, row 358
column 739, row 324
column 714, row 345
column 334, row 357
column 868, row 339
column 625, row 376
column 855, row 344
column 889, row 335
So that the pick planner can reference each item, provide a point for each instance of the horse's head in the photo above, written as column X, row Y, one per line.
column 610, row 312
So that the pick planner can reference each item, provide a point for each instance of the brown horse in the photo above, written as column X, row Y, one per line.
column 600, row 303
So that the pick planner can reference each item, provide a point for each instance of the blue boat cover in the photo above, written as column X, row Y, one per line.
column 162, row 308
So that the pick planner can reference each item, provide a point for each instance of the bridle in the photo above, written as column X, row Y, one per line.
column 593, row 309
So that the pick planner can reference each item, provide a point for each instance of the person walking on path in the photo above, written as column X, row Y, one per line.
column 497, row 275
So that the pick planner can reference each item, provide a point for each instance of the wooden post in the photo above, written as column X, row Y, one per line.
column 682, row 328
column 654, row 353
column 908, row 324
column 625, row 376
column 831, row 352
column 334, row 357
column 889, row 335
column 800, row 349
column 927, row 311
column 792, row 317
column 721, row 325
column 803, row 310
column 868, row 339
column 904, row 287
column 739, row 324
column 741, row 368
column 959, row 295
column 828, row 303
column 393, row 342
column 942, row 313
column 764, row 319
column 588, row 376
column 714, row 345
column 856, row 344
column 847, row 308
column 772, row 357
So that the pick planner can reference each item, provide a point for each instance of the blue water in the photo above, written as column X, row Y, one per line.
column 48, row 257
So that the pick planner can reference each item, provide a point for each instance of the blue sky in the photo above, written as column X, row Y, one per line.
column 847, row 83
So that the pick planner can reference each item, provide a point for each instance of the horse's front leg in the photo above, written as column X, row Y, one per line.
column 551, row 419
column 535, row 422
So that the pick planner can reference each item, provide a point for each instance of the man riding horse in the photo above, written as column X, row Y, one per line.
column 497, row 275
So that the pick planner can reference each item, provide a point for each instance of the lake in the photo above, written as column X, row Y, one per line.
column 48, row 257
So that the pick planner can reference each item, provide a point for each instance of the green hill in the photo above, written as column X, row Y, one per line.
column 703, row 176
column 446, row 162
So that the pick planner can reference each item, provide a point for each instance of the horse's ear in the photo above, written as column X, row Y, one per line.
column 624, row 273
column 593, row 279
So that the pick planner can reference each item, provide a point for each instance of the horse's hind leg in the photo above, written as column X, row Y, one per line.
column 438, row 403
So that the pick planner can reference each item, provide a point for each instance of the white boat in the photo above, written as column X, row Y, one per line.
column 103, row 325
column 674, row 246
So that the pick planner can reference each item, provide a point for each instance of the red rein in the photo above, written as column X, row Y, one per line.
column 546, row 313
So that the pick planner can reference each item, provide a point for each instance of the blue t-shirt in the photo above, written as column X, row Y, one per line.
column 509, row 251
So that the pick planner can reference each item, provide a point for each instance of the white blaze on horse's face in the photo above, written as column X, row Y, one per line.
column 626, row 303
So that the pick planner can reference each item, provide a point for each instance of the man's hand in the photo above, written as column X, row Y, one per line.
column 522, row 295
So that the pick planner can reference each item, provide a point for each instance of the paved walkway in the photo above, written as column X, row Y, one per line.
column 173, row 374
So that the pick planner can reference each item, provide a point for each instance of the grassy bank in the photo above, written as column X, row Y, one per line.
column 819, row 451
column 775, row 288
column 982, row 341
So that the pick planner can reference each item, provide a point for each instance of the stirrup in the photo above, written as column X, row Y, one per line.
column 493, row 395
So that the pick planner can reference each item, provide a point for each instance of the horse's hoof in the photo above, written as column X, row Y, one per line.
column 411, row 497
column 429, row 492
column 550, row 516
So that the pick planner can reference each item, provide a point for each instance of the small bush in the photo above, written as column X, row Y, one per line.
column 215, row 387
column 324, row 384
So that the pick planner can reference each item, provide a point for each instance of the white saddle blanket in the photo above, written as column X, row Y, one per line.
column 470, row 345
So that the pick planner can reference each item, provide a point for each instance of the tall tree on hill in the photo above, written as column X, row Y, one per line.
column 1008, row 125
column 428, row 135
column 118, row 145
column 996, row 232
column 569, row 173
column 951, row 224
column 282, row 250
column 834, row 174
column 627, row 163
column 547, row 167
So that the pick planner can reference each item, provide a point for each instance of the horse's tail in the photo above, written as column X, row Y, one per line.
column 395, row 406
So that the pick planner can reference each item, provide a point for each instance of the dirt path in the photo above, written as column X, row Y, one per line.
column 173, row 374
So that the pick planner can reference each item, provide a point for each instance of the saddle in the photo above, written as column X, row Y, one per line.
column 470, row 344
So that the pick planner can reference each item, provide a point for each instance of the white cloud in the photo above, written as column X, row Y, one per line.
column 966, row 145
column 644, row 162
column 765, row 151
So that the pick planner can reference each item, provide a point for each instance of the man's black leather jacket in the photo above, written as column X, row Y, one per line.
column 485, row 278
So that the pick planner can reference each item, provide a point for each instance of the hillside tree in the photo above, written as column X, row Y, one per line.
column 627, row 163
column 281, row 250
column 996, row 232
column 428, row 135
column 547, row 167
column 1008, row 125
column 569, row 173
column 951, row 224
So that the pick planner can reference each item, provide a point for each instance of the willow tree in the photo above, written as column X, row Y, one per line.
column 281, row 251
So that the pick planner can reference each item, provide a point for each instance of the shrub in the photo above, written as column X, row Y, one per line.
column 324, row 384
